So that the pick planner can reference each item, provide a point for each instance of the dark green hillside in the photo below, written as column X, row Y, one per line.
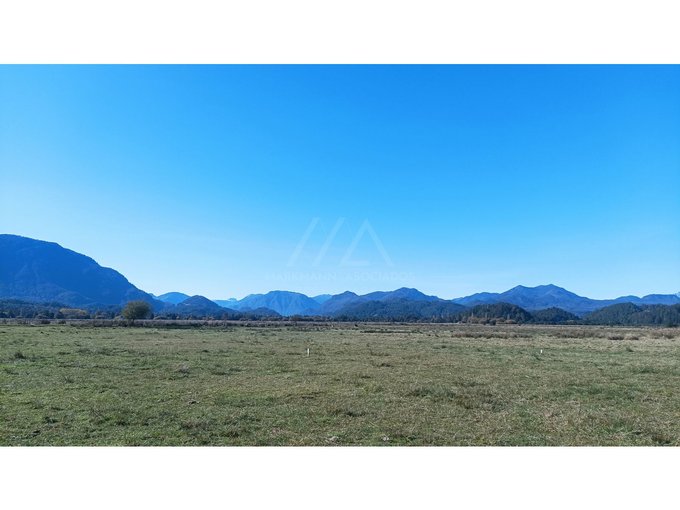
column 628, row 314
column 32, row 270
column 496, row 312
column 554, row 315
column 401, row 310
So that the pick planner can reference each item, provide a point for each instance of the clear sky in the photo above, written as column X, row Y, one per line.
column 230, row 180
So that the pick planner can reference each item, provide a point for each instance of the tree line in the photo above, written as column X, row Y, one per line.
column 622, row 314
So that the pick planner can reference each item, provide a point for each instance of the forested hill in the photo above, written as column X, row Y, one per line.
column 41, row 271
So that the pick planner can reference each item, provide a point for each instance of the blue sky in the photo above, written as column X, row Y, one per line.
column 230, row 180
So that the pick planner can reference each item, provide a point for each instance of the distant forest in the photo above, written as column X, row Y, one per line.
column 622, row 314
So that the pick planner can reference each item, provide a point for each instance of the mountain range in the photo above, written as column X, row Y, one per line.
column 529, row 298
column 546, row 296
column 40, row 271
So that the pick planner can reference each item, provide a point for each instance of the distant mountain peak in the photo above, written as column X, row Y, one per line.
column 199, row 301
column 283, row 302
column 173, row 297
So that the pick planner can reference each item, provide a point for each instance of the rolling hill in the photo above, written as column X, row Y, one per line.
column 400, row 310
column 554, row 315
column 495, row 312
column 630, row 314
column 402, row 293
column 199, row 305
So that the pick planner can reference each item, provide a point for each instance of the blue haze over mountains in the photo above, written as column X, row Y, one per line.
column 40, row 271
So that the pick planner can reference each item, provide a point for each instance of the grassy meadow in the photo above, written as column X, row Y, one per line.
column 363, row 384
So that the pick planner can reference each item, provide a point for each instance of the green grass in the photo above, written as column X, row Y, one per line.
column 361, row 385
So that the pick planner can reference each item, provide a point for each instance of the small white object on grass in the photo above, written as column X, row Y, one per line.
column 541, row 351
column 307, row 351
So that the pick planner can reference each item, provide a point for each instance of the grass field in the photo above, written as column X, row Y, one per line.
column 361, row 384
